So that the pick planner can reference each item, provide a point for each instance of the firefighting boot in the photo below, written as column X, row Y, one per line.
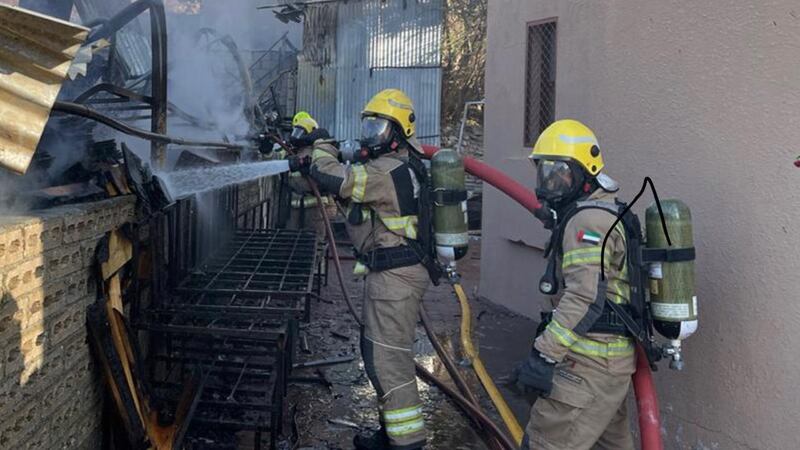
column 376, row 440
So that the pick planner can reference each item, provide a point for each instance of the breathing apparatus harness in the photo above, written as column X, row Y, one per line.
column 421, row 250
column 604, row 316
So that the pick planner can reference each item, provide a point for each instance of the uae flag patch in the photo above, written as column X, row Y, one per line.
column 588, row 237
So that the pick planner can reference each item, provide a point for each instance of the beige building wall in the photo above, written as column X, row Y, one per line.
column 704, row 97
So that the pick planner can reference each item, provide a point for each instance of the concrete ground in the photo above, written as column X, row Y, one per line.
column 327, row 417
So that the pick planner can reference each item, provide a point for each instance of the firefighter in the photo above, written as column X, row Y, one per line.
column 304, row 212
column 582, row 359
column 382, row 195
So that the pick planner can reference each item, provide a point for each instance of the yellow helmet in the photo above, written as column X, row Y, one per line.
column 306, row 123
column 569, row 140
column 299, row 116
column 393, row 105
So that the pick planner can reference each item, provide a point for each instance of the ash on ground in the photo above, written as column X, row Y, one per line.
column 328, row 416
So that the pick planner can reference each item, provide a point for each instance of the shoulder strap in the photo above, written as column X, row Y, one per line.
column 424, row 245
column 549, row 283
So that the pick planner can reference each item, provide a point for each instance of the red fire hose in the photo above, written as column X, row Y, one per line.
column 643, row 386
column 647, row 403
column 498, row 179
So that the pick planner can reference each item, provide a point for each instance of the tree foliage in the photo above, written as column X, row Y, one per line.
column 464, row 56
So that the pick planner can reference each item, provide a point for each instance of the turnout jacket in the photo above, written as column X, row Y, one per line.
column 380, row 196
column 579, row 274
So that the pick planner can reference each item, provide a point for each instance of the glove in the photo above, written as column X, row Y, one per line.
column 534, row 374
column 300, row 164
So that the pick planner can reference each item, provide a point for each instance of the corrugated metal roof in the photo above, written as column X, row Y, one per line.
column 35, row 55
column 132, row 44
column 379, row 45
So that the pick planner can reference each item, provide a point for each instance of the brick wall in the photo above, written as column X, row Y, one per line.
column 50, row 389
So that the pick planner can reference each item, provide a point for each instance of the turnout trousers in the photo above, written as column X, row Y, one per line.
column 391, row 308
column 586, row 409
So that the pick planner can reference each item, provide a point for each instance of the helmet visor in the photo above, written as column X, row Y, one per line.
column 298, row 132
column 554, row 179
column 375, row 131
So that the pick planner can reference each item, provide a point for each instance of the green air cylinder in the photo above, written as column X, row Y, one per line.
column 672, row 297
column 449, row 205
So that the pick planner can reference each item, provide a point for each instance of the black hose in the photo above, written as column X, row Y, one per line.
column 450, row 365
column 83, row 111
column 472, row 411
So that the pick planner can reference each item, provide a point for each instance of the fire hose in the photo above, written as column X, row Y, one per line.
column 477, row 364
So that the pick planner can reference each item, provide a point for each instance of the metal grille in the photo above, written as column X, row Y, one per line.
column 259, row 263
column 540, row 80
column 236, row 318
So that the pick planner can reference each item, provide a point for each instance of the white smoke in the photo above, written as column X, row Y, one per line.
column 204, row 79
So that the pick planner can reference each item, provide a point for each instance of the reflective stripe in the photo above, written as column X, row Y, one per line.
column 406, row 224
column 584, row 255
column 563, row 335
column 403, row 414
column 614, row 349
column 359, row 183
column 577, row 139
column 403, row 421
column 317, row 154
column 620, row 290
column 589, row 347
column 405, row 428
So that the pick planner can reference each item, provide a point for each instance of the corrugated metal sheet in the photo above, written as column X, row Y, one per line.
column 132, row 41
column 319, row 34
column 378, row 45
column 316, row 92
column 35, row 55
column 389, row 45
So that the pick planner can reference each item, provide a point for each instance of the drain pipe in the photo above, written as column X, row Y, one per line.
column 643, row 386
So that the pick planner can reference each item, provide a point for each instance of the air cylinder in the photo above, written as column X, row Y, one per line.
column 449, row 205
column 673, row 302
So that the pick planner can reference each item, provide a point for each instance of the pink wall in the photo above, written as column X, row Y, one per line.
column 704, row 97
